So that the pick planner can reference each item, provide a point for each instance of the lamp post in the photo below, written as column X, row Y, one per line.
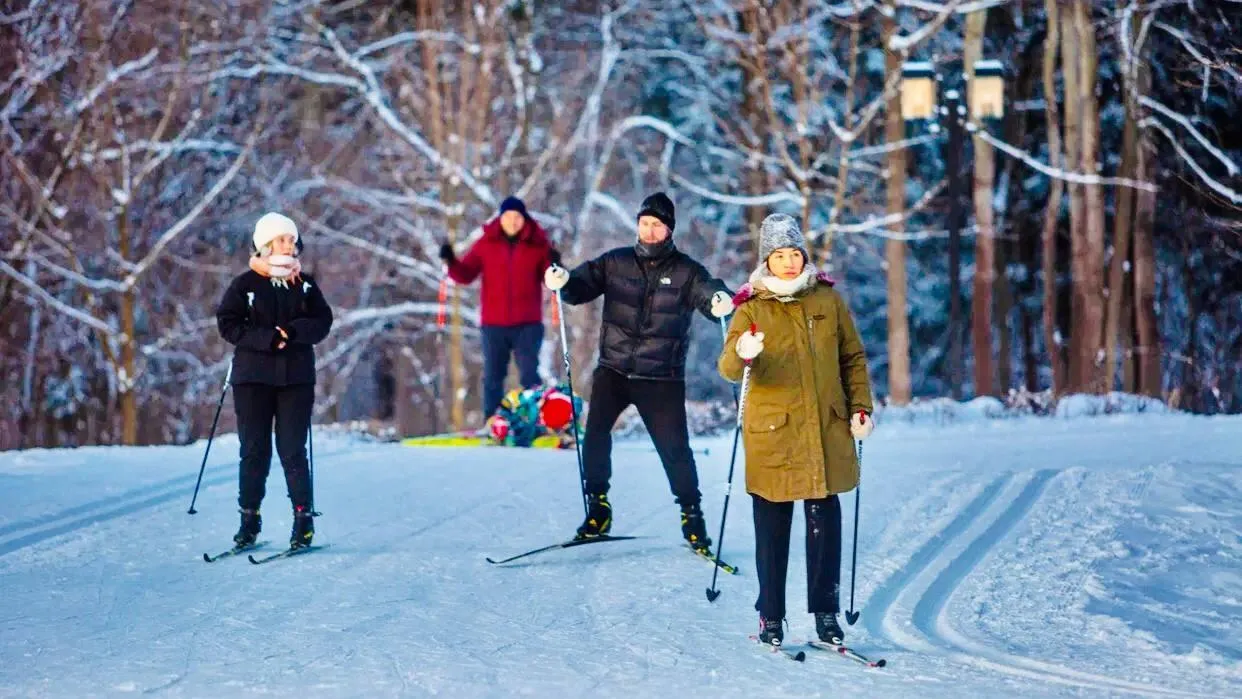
column 918, row 103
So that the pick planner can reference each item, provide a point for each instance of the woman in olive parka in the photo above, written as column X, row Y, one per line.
column 807, row 398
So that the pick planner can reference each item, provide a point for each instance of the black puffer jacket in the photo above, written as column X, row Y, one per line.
column 649, row 304
column 251, row 309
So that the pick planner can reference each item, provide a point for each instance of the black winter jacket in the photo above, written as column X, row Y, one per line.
column 649, row 305
column 251, row 309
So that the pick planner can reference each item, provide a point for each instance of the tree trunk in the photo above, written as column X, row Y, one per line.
column 899, row 383
column 1147, row 333
column 1092, row 322
column 1122, row 220
column 1070, row 67
column 1052, row 334
column 756, row 175
column 125, row 368
column 985, row 233
column 430, row 18
column 1147, row 348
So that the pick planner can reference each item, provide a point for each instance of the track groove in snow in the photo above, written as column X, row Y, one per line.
column 947, row 560
column 41, row 528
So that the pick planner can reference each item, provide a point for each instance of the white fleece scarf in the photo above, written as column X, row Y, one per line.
column 284, row 268
column 784, row 289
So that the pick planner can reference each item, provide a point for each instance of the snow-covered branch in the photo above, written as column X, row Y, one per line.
column 1230, row 166
column 873, row 224
column 362, row 315
column 769, row 199
column 1198, row 55
column 179, row 227
column 1233, row 197
column 413, row 37
column 961, row 8
column 163, row 148
column 1075, row 177
column 114, row 75
column 890, row 147
column 902, row 43
column 59, row 305
column 76, row 277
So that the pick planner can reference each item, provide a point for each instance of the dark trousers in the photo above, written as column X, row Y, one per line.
column 499, row 342
column 257, row 407
column 823, row 554
column 662, row 407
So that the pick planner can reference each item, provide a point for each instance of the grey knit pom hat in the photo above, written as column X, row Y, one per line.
column 780, row 231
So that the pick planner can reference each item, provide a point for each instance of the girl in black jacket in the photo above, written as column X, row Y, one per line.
column 274, row 320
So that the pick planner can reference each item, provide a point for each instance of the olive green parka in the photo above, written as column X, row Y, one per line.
column 803, row 388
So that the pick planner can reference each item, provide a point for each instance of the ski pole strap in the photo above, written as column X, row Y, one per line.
column 442, row 311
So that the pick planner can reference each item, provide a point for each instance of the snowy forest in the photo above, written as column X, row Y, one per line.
column 1081, row 232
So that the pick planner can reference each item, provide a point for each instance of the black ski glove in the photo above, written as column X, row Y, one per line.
column 446, row 253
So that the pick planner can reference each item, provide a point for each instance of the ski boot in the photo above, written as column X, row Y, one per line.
column 303, row 527
column 694, row 529
column 827, row 628
column 598, row 519
column 771, row 631
column 251, row 523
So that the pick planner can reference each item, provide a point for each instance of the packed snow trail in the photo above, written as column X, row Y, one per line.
column 1037, row 557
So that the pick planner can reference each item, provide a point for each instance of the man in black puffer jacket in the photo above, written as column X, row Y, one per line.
column 274, row 317
column 651, row 291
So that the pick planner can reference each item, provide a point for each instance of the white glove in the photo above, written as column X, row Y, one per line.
column 749, row 345
column 722, row 304
column 556, row 277
column 861, row 425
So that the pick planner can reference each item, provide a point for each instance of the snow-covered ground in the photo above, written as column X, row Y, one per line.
column 1097, row 556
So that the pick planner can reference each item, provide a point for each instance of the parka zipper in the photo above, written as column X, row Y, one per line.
column 810, row 344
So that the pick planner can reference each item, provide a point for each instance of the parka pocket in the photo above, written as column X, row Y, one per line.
column 768, row 437
column 763, row 421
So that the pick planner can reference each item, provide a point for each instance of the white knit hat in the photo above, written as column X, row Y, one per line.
column 271, row 226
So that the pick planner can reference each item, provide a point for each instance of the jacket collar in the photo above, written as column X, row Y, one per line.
column 532, row 232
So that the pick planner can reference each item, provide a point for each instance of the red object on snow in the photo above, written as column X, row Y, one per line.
column 499, row 427
column 556, row 412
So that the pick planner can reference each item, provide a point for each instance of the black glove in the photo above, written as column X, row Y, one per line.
column 446, row 253
column 554, row 256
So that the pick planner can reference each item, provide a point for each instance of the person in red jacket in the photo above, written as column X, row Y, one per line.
column 511, row 257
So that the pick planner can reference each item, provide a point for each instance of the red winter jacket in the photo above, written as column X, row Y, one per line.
column 512, row 273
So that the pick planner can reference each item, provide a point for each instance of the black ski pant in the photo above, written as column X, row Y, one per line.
column 662, row 407
column 773, row 521
column 257, row 407
column 499, row 342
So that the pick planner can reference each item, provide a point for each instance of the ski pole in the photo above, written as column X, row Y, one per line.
column 852, row 616
column 573, row 406
column 310, row 462
column 210, row 436
column 441, row 321
column 712, row 592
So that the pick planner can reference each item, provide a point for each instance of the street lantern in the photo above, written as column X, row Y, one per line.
column 918, row 90
column 984, row 99
column 987, row 91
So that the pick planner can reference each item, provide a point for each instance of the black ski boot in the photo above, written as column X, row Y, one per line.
column 827, row 628
column 251, row 524
column 598, row 518
column 303, row 527
column 771, row 631
column 694, row 528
